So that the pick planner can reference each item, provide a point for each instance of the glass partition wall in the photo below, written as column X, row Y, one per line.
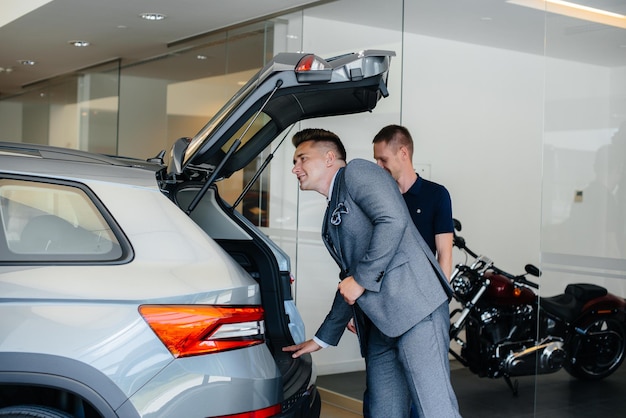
column 518, row 107
column 74, row 111
column 583, row 226
column 584, row 203
column 141, row 109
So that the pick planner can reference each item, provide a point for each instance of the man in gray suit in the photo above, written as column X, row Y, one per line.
column 390, row 282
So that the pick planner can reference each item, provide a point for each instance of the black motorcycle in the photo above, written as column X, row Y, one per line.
column 505, row 330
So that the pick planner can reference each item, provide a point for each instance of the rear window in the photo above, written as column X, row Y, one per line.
column 51, row 222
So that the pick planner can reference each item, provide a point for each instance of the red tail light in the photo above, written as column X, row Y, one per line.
column 311, row 68
column 191, row 330
column 312, row 63
column 261, row 413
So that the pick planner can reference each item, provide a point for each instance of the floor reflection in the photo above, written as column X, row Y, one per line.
column 555, row 395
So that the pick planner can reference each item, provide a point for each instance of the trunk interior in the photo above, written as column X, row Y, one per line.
column 248, row 247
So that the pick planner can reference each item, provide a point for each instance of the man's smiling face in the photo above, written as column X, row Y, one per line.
column 310, row 165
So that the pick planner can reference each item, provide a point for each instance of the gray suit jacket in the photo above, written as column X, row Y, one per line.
column 368, row 231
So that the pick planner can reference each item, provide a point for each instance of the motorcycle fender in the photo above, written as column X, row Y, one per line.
column 604, row 305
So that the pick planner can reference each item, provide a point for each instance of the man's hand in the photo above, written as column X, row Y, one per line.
column 350, row 289
column 351, row 327
column 302, row 348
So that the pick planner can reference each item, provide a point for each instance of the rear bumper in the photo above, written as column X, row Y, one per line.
column 307, row 405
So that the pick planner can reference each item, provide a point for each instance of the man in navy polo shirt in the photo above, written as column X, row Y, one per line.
column 428, row 202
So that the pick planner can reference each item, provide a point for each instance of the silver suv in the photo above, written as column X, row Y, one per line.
column 130, row 288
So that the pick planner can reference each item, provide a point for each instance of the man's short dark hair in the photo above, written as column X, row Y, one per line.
column 321, row 135
column 396, row 135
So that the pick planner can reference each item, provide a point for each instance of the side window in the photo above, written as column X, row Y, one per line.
column 53, row 222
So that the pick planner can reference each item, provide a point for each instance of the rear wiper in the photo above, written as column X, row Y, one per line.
column 229, row 153
column 260, row 170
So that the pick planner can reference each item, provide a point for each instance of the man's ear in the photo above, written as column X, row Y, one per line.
column 330, row 157
column 404, row 151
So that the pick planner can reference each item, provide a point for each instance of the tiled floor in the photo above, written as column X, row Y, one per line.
column 555, row 395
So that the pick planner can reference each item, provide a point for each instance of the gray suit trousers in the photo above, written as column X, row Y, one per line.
column 413, row 366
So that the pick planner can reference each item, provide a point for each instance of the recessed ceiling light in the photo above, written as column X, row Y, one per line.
column 26, row 62
column 78, row 43
column 152, row 16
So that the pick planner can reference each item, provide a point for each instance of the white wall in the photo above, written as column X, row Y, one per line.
column 476, row 116
column 10, row 121
column 142, row 116
column 65, row 122
column 479, row 118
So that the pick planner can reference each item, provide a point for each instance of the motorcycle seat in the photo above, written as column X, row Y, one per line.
column 564, row 306
column 569, row 304
column 585, row 291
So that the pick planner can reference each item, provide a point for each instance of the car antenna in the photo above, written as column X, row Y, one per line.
column 230, row 152
column 260, row 170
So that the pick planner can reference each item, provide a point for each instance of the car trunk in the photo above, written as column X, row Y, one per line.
column 266, row 264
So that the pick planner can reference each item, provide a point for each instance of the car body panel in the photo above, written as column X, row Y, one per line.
column 238, row 381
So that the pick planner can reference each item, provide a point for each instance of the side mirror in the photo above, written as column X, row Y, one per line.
column 532, row 270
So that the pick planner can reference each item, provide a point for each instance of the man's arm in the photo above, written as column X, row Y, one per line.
column 443, row 243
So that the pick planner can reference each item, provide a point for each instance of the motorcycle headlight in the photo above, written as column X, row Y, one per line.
column 462, row 286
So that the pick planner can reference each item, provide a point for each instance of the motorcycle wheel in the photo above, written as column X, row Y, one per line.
column 598, row 353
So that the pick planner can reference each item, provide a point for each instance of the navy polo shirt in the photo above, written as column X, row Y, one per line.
column 430, row 207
